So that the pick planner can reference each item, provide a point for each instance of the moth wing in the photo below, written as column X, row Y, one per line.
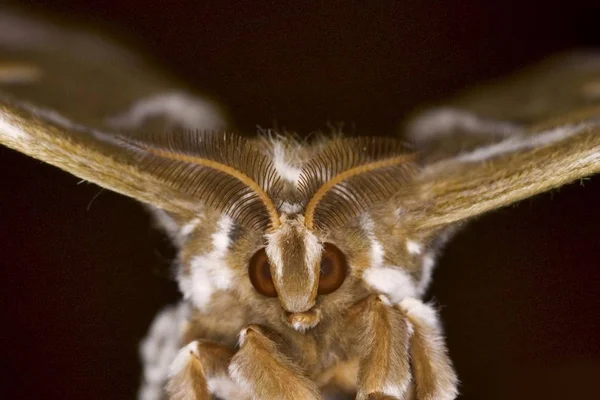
column 93, row 81
column 560, row 87
column 506, row 141
column 89, row 154
column 69, row 97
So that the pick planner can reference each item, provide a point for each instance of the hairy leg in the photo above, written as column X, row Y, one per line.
column 433, row 372
column 398, row 345
column 262, row 369
column 382, row 342
column 201, row 369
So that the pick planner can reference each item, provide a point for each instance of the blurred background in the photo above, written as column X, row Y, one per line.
column 83, row 272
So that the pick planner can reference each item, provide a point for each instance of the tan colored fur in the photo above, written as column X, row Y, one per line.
column 266, row 372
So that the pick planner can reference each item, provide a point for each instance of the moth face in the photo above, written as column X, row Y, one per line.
column 282, row 276
column 292, row 277
column 297, row 267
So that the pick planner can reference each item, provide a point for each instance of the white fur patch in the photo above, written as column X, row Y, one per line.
column 420, row 311
column 394, row 282
column 159, row 348
column 290, row 208
column 209, row 272
column 413, row 247
column 183, row 358
column 275, row 252
column 303, row 326
column 377, row 252
column 225, row 388
column 242, row 337
column 385, row 300
column 517, row 143
column 299, row 326
column 313, row 253
column 189, row 227
column 148, row 392
column 281, row 162
column 164, row 221
column 396, row 390
column 444, row 121
column 177, row 233
column 236, row 375
column 427, row 266
column 178, row 107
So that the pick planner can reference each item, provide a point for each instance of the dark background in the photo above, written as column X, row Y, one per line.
column 83, row 272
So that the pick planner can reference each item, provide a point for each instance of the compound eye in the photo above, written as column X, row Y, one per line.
column 333, row 269
column 259, row 270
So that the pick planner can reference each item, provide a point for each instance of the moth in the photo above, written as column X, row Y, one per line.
column 302, row 264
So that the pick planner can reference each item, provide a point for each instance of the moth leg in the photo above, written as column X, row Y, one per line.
column 399, row 345
column 432, row 368
column 199, row 370
column 382, row 342
column 266, row 372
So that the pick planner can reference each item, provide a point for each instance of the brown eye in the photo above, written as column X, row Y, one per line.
column 333, row 269
column 260, row 274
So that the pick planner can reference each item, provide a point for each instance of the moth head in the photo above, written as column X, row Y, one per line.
column 306, row 258
column 291, row 248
